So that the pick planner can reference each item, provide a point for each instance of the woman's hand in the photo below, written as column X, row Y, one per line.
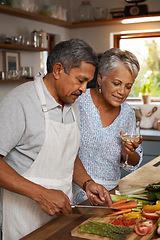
column 129, row 149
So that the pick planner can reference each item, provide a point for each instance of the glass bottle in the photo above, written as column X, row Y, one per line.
column 86, row 11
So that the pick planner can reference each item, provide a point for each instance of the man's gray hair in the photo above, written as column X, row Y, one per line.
column 70, row 54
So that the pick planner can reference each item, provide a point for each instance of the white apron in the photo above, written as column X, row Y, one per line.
column 53, row 169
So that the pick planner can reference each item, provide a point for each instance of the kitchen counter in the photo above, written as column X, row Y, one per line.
column 60, row 228
column 150, row 134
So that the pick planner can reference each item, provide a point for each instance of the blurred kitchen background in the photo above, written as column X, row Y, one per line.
column 30, row 28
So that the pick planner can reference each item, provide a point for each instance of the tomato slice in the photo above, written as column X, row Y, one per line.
column 142, row 231
column 144, row 228
column 151, row 214
column 149, row 224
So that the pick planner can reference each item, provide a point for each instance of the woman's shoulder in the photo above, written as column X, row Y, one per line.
column 126, row 108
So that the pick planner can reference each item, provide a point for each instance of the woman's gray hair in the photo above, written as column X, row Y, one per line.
column 70, row 54
column 114, row 58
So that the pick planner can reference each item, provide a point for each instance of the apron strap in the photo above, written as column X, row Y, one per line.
column 41, row 96
column 40, row 93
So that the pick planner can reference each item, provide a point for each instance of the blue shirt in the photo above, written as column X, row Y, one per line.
column 101, row 148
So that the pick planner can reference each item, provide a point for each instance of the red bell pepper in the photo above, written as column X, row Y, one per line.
column 151, row 214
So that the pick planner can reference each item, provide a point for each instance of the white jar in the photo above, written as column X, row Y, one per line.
column 100, row 13
column 25, row 5
column 86, row 11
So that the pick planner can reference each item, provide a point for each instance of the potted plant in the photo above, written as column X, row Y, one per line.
column 146, row 88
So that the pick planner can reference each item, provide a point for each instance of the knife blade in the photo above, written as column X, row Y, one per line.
column 94, row 210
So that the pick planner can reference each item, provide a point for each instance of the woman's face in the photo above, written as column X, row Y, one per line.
column 116, row 86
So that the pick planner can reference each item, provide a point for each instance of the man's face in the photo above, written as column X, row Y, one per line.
column 70, row 86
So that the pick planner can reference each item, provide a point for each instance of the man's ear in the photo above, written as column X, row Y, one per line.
column 99, row 79
column 57, row 70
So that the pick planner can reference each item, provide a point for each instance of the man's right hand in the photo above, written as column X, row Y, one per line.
column 54, row 202
column 51, row 201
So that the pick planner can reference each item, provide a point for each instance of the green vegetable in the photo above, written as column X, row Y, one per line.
column 137, row 209
column 106, row 230
column 150, row 193
column 153, row 191
column 141, row 202
column 155, row 187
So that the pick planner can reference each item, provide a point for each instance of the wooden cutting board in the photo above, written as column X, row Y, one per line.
column 132, row 236
column 147, row 174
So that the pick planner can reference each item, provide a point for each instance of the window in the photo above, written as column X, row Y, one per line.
column 146, row 46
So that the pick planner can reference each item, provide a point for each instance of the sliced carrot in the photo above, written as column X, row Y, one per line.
column 120, row 212
column 122, row 201
column 132, row 204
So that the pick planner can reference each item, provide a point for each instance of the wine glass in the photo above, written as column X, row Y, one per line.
column 132, row 133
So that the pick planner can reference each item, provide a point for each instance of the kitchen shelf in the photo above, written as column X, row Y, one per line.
column 33, row 16
column 41, row 18
column 16, row 80
column 11, row 46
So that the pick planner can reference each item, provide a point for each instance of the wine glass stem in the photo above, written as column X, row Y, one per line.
column 126, row 161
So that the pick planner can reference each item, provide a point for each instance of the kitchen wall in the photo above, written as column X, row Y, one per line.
column 14, row 26
column 100, row 38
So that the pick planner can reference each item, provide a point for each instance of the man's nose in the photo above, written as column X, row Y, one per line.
column 83, row 87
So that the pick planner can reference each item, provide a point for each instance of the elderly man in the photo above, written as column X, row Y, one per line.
column 39, row 142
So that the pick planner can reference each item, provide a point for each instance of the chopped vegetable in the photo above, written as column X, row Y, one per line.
column 134, row 215
column 133, row 191
column 152, row 207
column 144, row 228
column 119, row 202
column 141, row 202
column 131, row 204
column 154, row 187
column 151, row 214
column 121, row 212
column 151, row 192
column 105, row 230
column 123, row 222
column 138, row 209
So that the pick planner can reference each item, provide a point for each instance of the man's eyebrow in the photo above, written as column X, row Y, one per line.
column 83, row 78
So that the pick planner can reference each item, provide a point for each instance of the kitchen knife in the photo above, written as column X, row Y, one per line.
column 95, row 210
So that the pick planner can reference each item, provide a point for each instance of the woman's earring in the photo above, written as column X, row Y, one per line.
column 100, row 89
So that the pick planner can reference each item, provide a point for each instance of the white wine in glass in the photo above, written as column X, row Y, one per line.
column 127, row 138
column 134, row 134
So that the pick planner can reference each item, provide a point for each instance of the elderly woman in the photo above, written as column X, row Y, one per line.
column 104, row 114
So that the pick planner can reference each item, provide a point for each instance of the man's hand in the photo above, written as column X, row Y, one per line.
column 54, row 202
column 51, row 201
column 98, row 194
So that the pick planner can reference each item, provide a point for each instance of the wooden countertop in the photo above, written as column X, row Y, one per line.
column 60, row 227
column 147, row 174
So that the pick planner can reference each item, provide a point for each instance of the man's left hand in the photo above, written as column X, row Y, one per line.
column 98, row 194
